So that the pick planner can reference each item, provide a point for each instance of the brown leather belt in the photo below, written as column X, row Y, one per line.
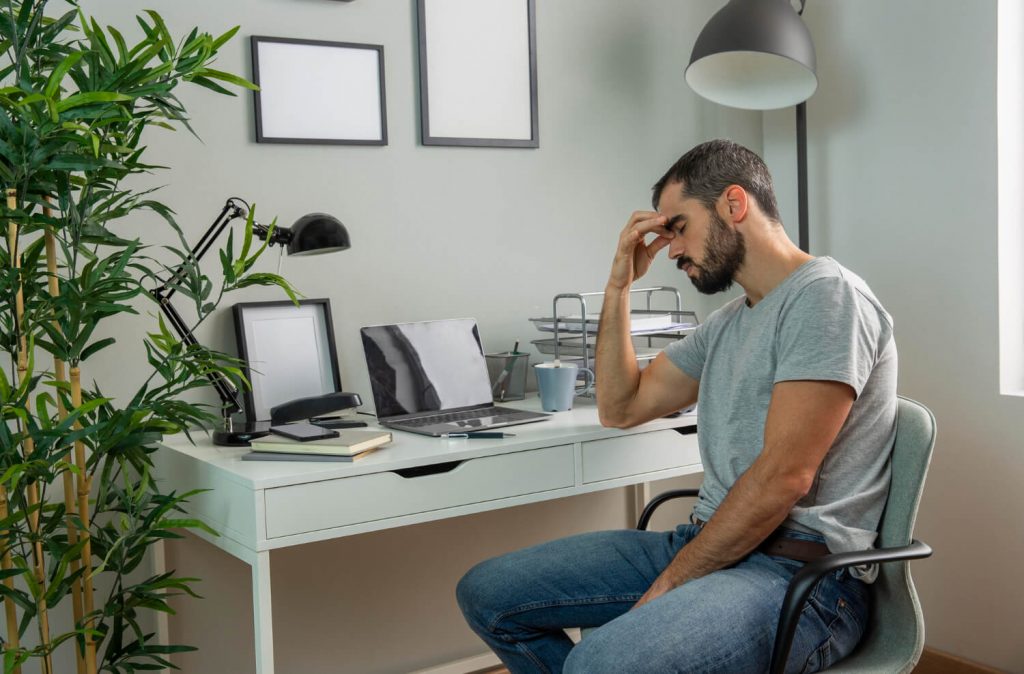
column 779, row 545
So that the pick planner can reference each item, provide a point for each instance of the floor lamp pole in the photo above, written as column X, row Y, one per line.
column 801, row 174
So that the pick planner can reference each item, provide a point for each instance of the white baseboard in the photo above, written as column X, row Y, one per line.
column 479, row 662
column 464, row 666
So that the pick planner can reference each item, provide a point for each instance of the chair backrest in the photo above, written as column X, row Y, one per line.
column 895, row 635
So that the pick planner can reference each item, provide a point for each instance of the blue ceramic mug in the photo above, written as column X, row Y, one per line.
column 557, row 384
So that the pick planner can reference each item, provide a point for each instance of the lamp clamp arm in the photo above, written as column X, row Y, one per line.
column 233, row 208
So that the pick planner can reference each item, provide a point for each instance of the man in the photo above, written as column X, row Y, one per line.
column 797, row 384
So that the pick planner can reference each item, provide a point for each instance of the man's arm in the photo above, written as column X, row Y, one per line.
column 628, row 396
column 804, row 418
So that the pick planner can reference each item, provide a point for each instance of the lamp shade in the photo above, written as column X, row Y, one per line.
column 754, row 54
column 317, row 233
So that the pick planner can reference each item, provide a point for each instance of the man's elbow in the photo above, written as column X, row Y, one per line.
column 797, row 484
column 615, row 418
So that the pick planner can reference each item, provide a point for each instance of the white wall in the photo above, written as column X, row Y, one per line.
column 437, row 232
column 903, row 191
column 444, row 232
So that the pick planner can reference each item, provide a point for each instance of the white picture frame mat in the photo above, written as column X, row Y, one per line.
column 319, row 91
column 478, row 69
column 289, row 355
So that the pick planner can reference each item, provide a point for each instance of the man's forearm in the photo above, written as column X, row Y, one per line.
column 756, row 505
column 618, row 375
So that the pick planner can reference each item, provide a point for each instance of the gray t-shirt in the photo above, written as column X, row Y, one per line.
column 821, row 323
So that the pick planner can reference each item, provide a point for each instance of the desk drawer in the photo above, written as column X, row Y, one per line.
column 335, row 503
column 637, row 454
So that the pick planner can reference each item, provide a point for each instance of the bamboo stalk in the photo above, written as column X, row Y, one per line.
column 28, row 445
column 84, row 485
column 9, row 608
column 60, row 375
column 6, row 564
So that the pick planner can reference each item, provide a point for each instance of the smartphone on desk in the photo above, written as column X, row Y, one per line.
column 303, row 432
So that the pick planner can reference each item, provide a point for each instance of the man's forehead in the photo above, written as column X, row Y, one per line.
column 672, row 202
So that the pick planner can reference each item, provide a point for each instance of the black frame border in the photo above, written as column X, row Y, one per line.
column 238, row 311
column 427, row 139
column 255, row 41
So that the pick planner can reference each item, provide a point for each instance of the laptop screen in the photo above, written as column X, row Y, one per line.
column 426, row 367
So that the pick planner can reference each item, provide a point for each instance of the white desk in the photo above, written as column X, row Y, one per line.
column 260, row 506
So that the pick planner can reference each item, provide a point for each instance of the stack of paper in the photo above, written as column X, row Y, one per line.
column 638, row 323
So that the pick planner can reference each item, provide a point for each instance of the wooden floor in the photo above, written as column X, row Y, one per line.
column 932, row 662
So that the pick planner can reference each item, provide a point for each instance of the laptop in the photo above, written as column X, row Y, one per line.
column 431, row 378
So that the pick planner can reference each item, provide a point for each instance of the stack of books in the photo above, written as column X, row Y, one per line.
column 348, row 446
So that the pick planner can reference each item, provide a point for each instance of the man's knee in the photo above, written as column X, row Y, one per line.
column 469, row 592
column 479, row 593
column 592, row 656
column 578, row 661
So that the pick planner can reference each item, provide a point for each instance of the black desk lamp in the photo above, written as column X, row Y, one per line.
column 758, row 55
column 311, row 234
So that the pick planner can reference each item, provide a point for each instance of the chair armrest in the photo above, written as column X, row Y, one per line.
column 652, row 505
column 805, row 579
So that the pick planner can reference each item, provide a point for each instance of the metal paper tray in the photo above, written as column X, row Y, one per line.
column 575, row 325
column 574, row 347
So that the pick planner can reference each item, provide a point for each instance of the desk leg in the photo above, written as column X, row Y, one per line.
column 641, row 495
column 261, row 614
column 163, row 629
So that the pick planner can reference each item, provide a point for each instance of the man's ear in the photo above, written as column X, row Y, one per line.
column 733, row 204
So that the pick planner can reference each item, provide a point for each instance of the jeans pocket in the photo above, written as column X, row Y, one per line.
column 820, row 659
column 823, row 614
column 840, row 613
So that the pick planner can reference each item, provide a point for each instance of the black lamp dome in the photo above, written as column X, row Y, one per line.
column 317, row 233
column 754, row 54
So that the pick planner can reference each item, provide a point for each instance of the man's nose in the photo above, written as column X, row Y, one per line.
column 676, row 248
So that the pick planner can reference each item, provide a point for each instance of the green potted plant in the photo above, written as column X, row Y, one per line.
column 79, row 505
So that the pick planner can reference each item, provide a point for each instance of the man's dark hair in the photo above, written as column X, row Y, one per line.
column 706, row 170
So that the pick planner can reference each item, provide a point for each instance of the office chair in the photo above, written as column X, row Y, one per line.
column 894, row 637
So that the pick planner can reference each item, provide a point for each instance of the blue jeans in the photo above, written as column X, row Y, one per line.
column 521, row 602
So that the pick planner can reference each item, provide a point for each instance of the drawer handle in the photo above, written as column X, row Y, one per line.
column 433, row 469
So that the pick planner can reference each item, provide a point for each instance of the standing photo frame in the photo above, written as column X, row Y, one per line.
column 288, row 352
column 478, row 73
column 314, row 91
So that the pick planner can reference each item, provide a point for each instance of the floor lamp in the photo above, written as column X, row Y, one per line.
column 758, row 55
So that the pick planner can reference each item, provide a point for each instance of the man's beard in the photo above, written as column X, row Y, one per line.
column 723, row 256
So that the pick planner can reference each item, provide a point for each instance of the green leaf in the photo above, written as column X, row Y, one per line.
column 57, row 76
column 92, row 97
column 122, row 47
column 219, row 42
column 212, row 86
column 97, row 346
column 186, row 524
column 210, row 73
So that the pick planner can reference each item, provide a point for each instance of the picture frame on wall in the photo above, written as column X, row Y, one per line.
column 316, row 91
column 478, row 73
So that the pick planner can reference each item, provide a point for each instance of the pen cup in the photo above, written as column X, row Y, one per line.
column 507, row 371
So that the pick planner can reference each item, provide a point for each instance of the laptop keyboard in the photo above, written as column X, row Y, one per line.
column 448, row 417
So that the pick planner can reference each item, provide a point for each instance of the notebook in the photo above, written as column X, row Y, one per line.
column 431, row 378
column 346, row 443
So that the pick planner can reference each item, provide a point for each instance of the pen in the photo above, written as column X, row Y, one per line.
column 481, row 434
column 505, row 372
